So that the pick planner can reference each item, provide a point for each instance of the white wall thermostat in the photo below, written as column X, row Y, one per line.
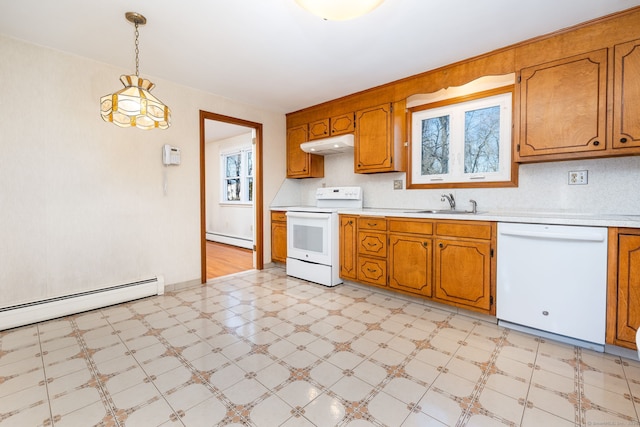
column 170, row 155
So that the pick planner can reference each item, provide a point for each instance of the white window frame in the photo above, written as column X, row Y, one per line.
column 244, row 176
column 455, row 109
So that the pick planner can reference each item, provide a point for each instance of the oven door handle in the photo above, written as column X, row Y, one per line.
column 313, row 215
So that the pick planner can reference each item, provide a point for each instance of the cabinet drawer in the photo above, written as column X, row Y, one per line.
column 374, row 244
column 372, row 223
column 278, row 216
column 466, row 229
column 411, row 226
column 372, row 270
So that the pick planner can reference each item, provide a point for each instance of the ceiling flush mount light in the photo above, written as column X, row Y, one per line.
column 134, row 105
column 339, row 10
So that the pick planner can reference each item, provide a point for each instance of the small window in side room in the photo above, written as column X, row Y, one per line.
column 237, row 176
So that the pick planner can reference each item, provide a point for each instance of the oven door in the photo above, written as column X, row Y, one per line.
column 309, row 236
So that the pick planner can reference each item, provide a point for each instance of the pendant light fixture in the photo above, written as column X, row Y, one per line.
column 134, row 105
column 339, row 10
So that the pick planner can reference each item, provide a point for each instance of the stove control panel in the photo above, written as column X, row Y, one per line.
column 339, row 193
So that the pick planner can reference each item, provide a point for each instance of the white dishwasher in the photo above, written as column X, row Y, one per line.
column 553, row 278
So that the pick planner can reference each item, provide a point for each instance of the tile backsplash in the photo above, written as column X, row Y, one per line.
column 613, row 188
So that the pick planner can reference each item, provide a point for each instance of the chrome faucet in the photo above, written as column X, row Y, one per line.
column 474, row 206
column 449, row 198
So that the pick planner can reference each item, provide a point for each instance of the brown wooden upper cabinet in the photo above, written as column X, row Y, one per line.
column 626, row 96
column 333, row 126
column 299, row 163
column 379, row 139
column 563, row 108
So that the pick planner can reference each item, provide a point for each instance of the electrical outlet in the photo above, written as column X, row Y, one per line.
column 578, row 177
column 397, row 184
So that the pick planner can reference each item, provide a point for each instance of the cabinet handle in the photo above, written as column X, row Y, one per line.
column 596, row 143
column 372, row 225
column 441, row 245
column 623, row 140
column 371, row 270
column 350, row 222
column 425, row 244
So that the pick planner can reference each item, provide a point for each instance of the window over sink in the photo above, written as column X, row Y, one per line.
column 463, row 141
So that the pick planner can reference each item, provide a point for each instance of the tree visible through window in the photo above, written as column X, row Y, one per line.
column 482, row 140
column 435, row 146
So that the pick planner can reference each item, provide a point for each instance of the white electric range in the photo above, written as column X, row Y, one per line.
column 312, row 235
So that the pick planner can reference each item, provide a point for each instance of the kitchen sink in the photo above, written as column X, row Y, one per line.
column 442, row 211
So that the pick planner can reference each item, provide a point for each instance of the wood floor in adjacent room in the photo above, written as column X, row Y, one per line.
column 223, row 260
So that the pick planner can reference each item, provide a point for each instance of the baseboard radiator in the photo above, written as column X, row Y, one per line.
column 228, row 239
column 51, row 308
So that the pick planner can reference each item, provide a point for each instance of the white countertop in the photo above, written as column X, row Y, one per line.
column 542, row 217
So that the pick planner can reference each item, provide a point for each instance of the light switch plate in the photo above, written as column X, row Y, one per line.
column 397, row 184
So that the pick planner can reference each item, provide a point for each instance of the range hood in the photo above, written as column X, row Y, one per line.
column 333, row 145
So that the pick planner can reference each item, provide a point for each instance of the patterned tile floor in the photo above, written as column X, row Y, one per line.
column 263, row 349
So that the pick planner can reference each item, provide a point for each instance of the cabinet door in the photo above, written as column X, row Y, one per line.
column 299, row 163
column 372, row 270
column 563, row 107
column 628, row 312
column 342, row 124
column 626, row 95
column 278, row 239
column 373, row 140
column 348, row 247
column 410, row 265
column 463, row 273
column 319, row 129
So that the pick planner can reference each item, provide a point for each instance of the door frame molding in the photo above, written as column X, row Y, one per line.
column 257, row 190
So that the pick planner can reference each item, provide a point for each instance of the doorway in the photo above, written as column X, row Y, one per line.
column 219, row 127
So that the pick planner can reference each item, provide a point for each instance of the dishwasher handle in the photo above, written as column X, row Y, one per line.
column 552, row 235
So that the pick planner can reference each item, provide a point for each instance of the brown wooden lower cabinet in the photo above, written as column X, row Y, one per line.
column 623, row 294
column 410, row 263
column 450, row 261
column 279, row 236
column 463, row 273
column 348, row 249
column 371, row 243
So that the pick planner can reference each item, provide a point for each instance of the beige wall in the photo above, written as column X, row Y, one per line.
column 82, row 204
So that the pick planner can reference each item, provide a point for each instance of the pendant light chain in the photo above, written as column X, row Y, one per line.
column 137, row 50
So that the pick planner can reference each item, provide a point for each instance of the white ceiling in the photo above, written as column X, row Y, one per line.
column 273, row 54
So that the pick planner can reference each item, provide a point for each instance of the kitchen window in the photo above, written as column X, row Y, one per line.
column 464, row 141
column 237, row 176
